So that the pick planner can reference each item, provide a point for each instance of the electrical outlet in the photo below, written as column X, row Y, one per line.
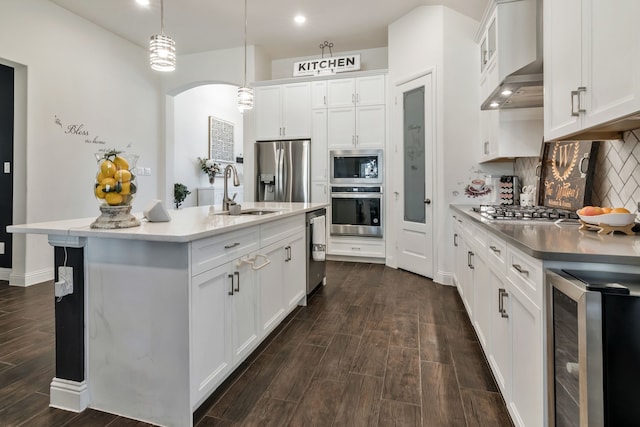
column 64, row 285
column 147, row 171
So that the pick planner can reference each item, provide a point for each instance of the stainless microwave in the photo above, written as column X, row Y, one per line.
column 356, row 167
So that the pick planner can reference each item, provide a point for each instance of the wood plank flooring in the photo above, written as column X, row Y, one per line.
column 375, row 347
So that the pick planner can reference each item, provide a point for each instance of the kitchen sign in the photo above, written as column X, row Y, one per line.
column 567, row 174
column 332, row 65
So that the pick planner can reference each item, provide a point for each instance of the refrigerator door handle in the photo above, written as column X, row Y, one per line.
column 279, row 173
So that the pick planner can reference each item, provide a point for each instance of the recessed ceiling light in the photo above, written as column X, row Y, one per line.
column 507, row 92
column 300, row 19
column 494, row 105
column 143, row 2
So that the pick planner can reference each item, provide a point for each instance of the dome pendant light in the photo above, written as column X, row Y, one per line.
column 162, row 48
column 245, row 93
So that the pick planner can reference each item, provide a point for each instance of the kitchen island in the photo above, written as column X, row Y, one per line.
column 162, row 313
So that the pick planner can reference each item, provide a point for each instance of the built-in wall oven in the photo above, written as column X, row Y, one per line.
column 356, row 211
column 593, row 346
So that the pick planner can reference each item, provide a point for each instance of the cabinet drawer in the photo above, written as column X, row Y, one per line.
column 526, row 273
column 497, row 253
column 275, row 231
column 480, row 238
column 356, row 248
column 213, row 251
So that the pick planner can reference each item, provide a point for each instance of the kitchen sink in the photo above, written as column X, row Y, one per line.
column 249, row 212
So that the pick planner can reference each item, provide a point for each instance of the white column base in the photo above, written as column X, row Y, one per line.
column 68, row 395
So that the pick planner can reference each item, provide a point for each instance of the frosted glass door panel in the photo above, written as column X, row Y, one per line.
column 414, row 155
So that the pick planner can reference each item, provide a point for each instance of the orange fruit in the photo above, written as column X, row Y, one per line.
column 606, row 210
column 620, row 210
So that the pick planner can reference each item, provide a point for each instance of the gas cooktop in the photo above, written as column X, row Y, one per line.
column 525, row 213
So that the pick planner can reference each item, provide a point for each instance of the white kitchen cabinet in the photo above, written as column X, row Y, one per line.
column 357, row 112
column 357, row 127
column 590, row 71
column 319, row 94
column 244, row 313
column 270, row 283
column 293, row 271
column 366, row 247
column 488, row 44
column 359, row 91
column 502, row 290
column 511, row 133
column 526, row 396
column 211, row 354
column 283, row 111
column 319, row 144
column 319, row 192
column 499, row 351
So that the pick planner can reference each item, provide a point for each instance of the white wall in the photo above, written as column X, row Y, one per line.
column 192, row 109
column 370, row 59
column 219, row 66
column 83, row 75
column 440, row 39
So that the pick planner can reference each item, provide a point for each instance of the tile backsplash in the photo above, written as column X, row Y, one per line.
column 617, row 175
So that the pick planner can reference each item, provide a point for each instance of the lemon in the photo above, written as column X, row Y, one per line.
column 108, row 168
column 113, row 199
column 109, row 184
column 100, row 177
column 122, row 175
column 125, row 188
column 121, row 163
column 99, row 193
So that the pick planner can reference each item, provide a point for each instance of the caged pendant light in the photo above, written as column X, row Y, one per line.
column 245, row 93
column 162, row 48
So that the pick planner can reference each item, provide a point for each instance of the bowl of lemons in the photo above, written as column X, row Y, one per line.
column 115, row 183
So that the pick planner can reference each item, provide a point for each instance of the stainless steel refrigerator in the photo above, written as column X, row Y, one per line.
column 282, row 171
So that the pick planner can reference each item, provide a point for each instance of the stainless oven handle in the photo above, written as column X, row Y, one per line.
column 356, row 195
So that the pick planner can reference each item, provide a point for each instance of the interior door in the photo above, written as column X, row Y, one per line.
column 6, row 158
column 413, row 163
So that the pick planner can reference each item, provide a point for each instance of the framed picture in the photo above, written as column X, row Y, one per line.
column 220, row 140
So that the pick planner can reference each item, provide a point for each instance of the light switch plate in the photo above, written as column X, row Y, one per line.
column 7, row 167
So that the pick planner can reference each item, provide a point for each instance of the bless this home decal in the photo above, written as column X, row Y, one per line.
column 337, row 64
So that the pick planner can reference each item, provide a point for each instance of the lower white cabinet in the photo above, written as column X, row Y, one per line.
column 369, row 247
column 237, row 302
column 504, row 301
column 211, row 330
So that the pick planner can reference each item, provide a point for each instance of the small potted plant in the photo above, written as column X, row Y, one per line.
column 180, row 192
column 209, row 167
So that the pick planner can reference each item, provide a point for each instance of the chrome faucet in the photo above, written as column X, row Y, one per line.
column 226, row 201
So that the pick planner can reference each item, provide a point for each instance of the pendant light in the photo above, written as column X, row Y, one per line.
column 162, row 48
column 245, row 93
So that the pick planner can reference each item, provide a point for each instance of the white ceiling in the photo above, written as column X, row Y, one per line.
column 201, row 25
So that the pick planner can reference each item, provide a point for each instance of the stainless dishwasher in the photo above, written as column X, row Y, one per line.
column 315, row 269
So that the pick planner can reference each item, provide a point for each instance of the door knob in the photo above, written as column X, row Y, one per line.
column 427, row 201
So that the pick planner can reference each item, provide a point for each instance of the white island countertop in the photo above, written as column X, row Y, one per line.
column 186, row 225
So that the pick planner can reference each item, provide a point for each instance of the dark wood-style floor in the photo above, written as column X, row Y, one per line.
column 375, row 347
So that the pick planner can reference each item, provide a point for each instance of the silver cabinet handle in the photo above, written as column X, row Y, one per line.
column 494, row 249
column 237, row 274
column 574, row 94
column 455, row 239
column 231, row 277
column 459, row 220
column 581, row 90
column 502, row 293
column 519, row 269
column 232, row 245
column 469, row 260
column 324, row 99
column 486, row 147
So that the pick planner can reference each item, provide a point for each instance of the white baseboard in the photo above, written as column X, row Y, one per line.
column 69, row 395
column 444, row 278
column 33, row 278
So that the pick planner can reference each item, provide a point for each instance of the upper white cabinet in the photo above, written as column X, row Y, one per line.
column 488, row 44
column 510, row 133
column 357, row 112
column 359, row 91
column 319, row 94
column 283, row 111
column 590, row 69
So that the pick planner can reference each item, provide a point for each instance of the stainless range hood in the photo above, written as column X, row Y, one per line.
column 519, row 56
